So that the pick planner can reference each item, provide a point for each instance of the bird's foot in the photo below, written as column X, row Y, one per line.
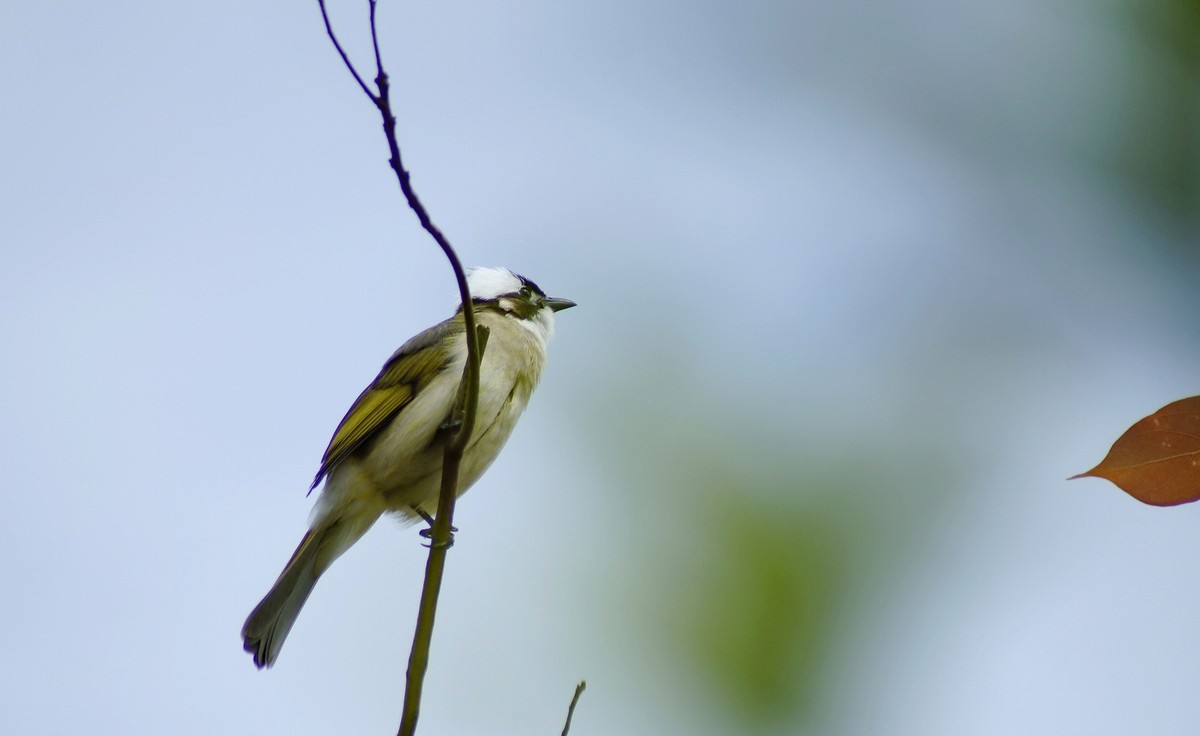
column 427, row 532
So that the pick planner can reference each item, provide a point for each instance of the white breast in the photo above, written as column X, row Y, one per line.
column 404, row 464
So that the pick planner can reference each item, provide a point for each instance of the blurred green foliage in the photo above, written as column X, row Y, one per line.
column 754, row 541
column 756, row 616
column 1159, row 150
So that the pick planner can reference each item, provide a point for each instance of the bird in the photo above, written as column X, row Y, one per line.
column 386, row 454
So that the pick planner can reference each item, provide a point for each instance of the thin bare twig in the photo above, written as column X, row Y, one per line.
column 465, row 409
column 342, row 52
column 375, row 44
column 571, row 710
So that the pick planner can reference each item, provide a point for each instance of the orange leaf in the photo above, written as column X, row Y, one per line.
column 1157, row 460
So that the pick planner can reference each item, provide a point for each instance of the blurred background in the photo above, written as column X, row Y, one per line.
column 860, row 285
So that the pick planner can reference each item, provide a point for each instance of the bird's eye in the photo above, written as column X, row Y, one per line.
column 526, row 292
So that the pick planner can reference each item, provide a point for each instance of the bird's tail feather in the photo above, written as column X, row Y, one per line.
column 271, row 620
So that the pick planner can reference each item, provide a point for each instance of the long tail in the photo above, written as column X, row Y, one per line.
column 271, row 620
column 269, row 623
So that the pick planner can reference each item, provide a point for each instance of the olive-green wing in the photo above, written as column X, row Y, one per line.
column 402, row 376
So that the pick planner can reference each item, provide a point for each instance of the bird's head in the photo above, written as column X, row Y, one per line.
column 515, row 296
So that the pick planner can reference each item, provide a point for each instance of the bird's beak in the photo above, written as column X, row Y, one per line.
column 557, row 304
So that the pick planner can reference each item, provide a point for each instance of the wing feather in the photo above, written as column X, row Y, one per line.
column 402, row 377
